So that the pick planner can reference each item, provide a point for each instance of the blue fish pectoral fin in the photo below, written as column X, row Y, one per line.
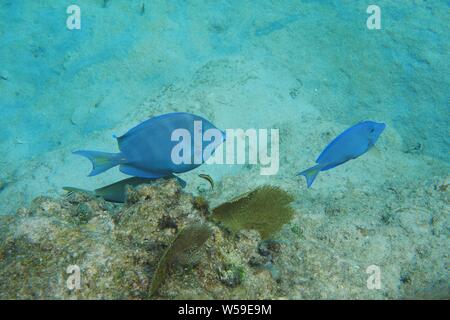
column 311, row 174
column 136, row 172
column 180, row 181
column 101, row 161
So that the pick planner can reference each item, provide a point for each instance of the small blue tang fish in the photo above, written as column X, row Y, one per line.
column 350, row 144
column 146, row 150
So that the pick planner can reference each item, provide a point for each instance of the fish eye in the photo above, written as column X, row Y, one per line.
column 372, row 130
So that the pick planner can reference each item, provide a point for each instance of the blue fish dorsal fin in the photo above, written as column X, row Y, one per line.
column 132, row 131
column 143, row 125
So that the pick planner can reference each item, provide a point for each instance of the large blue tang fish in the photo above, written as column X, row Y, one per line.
column 146, row 150
column 350, row 144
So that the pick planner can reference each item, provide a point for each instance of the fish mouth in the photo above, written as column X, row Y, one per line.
column 379, row 130
column 379, row 126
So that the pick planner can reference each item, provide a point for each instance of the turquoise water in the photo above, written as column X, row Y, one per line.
column 309, row 68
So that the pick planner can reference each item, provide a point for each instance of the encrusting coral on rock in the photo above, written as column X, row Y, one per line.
column 117, row 249
column 165, row 243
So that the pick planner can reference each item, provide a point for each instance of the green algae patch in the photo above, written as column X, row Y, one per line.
column 187, row 242
column 265, row 209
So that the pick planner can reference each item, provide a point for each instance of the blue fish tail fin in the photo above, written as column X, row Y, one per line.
column 311, row 174
column 101, row 161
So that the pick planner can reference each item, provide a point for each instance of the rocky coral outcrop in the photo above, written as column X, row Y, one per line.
column 116, row 249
